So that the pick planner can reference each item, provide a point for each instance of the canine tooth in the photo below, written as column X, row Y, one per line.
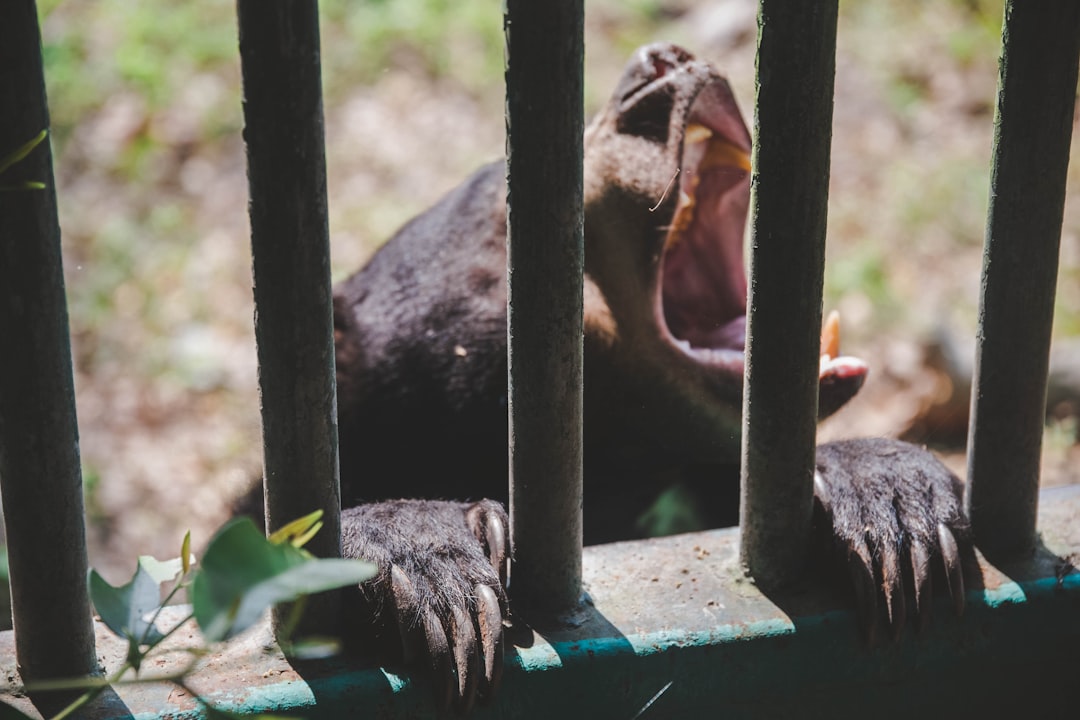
column 830, row 336
column 696, row 132
column 722, row 154
column 684, row 215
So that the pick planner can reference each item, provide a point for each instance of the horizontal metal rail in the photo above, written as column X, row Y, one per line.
column 677, row 633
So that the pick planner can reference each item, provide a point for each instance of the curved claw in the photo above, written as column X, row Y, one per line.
column 821, row 492
column 466, row 659
column 404, row 607
column 488, row 526
column 497, row 544
column 954, row 573
column 489, row 618
column 862, row 577
column 442, row 666
column 892, row 582
column 920, row 573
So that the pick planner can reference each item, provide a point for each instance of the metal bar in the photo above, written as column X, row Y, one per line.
column 544, row 123
column 283, row 128
column 1032, row 134
column 40, row 471
column 789, row 197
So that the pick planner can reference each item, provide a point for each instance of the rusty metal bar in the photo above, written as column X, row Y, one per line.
column 1032, row 135
column 544, row 123
column 789, row 197
column 283, row 128
column 40, row 471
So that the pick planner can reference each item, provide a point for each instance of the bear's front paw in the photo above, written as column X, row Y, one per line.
column 894, row 509
column 439, row 596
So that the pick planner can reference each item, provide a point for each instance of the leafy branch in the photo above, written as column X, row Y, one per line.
column 242, row 574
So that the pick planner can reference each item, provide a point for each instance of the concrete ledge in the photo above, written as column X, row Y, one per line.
column 675, row 616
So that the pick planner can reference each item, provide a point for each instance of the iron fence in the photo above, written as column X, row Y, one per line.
column 39, row 460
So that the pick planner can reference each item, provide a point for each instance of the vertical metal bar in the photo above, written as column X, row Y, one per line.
column 1032, row 133
column 789, row 197
column 544, row 123
column 283, row 128
column 40, row 471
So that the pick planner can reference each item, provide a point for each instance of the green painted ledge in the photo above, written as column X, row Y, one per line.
column 674, row 616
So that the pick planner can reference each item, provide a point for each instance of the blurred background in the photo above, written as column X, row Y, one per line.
column 146, row 120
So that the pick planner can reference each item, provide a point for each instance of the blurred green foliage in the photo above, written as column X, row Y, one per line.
column 137, row 89
column 440, row 38
column 153, row 48
column 94, row 50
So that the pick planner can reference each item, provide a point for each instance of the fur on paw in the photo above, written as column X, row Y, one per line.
column 439, row 598
column 896, row 518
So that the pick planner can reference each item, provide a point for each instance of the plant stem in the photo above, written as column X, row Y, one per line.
column 157, row 613
column 92, row 693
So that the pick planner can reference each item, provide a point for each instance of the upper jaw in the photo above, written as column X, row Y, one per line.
column 662, row 85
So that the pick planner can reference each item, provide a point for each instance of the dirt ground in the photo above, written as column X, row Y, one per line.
column 162, row 329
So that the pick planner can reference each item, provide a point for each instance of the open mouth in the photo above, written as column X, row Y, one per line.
column 701, row 293
column 702, row 277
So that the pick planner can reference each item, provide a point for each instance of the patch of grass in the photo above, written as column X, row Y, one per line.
column 95, row 513
column 979, row 34
column 1067, row 307
column 461, row 41
column 863, row 271
column 439, row 38
column 93, row 51
column 951, row 197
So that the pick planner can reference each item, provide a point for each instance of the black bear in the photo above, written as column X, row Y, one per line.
column 422, row 387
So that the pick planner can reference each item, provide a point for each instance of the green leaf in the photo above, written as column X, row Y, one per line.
column 301, row 540
column 243, row 574
column 186, row 558
column 22, row 151
column 124, row 609
column 162, row 571
column 299, row 531
column 28, row 185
